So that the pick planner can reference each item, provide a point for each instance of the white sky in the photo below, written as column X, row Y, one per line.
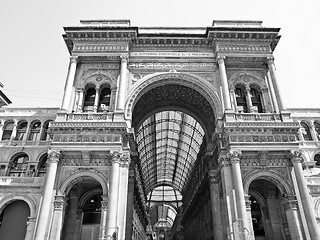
column 34, row 59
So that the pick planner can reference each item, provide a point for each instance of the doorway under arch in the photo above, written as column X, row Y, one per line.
column 13, row 220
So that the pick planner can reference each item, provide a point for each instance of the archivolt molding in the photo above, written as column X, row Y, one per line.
column 78, row 175
column 272, row 176
column 185, row 79
column 28, row 199
column 317, row 207
column 87, row 195
column 247, row 79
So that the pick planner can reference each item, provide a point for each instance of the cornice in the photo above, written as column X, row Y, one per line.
column 88, row 125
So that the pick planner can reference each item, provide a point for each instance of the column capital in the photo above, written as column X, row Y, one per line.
column 125, row 161
column 296, row 156
column 74, row 59
column 104, row 202
column 289, row 202
column 224, row 162
column 234, row 156
column 54, row 155
column 60, row 202
column 116, row 157
column 124, row 58
column 221, row 59
column 248, row 202
column 270, row 60
column 213, row 177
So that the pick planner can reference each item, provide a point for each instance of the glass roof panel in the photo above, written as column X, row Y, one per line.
column 168, row 144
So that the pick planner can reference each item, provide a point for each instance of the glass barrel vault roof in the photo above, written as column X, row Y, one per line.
column 168, row 144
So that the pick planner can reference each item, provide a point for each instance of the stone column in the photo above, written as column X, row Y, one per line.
column 224, row 83
column 244, row 225
column 266, row 100
column 307, row 204
column 1, row 131
column 122, row 83
column 103, row 221
column 314, row 133
column 60, row 204
column 30, row 228
column 267, row 223
column 47, row 198
column 75, row 107
column 113, row 197
column 233, row 100
column 248, row 209
column 215, row 204
column 14, row 130
column 290, row 205
column 67, row 96
column 96, row 100
column 80, row 102
column 123, row 196
column 274, row 79
column 249, row 101
column 272, row 94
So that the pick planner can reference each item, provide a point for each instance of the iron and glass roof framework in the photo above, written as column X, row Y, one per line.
column 168, row 144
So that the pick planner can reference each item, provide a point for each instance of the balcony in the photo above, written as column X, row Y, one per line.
column 22, row 181
column 253, row 117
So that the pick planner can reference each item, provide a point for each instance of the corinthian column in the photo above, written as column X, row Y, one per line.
column 274, row 79
column 224, row 84
column 290, row 205
column 244, row 224
column 113, row 198
column 307, row 205
column 96, row 100
column 122, row 83
column 103, row 221
column 60, row 204
column 67, row 96
column 47, row 199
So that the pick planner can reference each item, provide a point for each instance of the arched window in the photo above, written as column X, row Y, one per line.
column 317, row 159
column 7, row 130
column 104, row 100
column 317, row 129
column 306, row 132
column 35, row 130
column 45, row 133
column 42, row 166
column 89, row 99
column 256, row 100
column 19, row 165
column 21, row 130
column 241, row 99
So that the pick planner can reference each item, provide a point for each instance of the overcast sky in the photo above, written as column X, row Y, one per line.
column 34, row 59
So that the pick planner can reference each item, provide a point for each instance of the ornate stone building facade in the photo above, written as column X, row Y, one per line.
column 163, row 133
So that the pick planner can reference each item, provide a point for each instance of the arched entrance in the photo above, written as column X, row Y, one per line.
column 83, row 212
column 13, row 220
column 274, row 213
column 174, row 120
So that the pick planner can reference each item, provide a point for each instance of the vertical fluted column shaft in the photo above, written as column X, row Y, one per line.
column 274, row 79
column 224, row 84
column 305, row 197
column 67, row 96
column 244, row 226
column 60, row 204
column 103, row 221
column 123, row 196
column 122, row 83
column 46, row 204
column 113, row 198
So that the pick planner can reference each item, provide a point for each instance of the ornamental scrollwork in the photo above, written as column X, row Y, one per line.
column 54, row 155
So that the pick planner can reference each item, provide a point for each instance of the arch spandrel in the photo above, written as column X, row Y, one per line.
column 185, row 79
column 247, row 79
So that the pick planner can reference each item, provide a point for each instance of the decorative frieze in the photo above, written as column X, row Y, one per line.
column 60, row 203
column 92, row 138
column 99, row 48
column 236, row 48
column 262, row 138
column 265, row 117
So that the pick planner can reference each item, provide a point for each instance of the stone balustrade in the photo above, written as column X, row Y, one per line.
column 22, row 181
column 265, row 117
column 90, row 116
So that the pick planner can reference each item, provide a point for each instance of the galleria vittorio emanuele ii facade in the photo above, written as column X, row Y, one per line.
column 163, row 134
